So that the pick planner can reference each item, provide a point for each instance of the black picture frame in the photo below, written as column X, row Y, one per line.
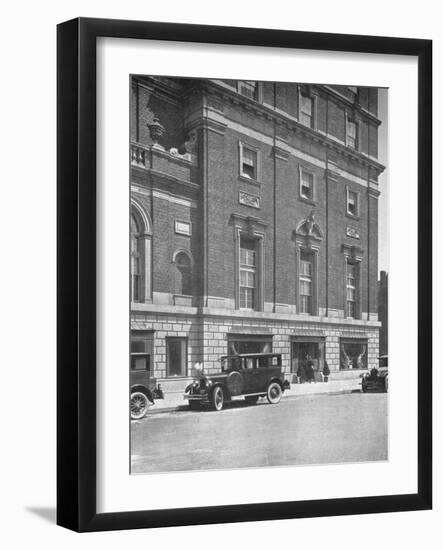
column 76, row 265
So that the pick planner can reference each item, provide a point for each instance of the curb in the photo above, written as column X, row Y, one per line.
column 184, row 407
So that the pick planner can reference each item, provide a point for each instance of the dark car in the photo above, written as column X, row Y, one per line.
column 377, row 379
column 251, row 375
column 144, row 388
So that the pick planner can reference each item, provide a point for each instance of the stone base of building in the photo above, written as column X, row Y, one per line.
column 176, row 343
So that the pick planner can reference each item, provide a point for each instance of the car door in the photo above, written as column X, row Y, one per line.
column 250, row 375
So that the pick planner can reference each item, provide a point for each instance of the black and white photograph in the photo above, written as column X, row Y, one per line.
column 259, row 265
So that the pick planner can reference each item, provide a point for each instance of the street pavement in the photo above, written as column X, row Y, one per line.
column 314, row 429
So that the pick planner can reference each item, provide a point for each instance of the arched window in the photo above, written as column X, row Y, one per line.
column 136, row 255
column 140, row 255
column 183, row 274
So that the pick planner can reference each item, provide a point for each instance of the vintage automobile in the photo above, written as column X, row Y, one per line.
column 144, row 388
column 376, row 379
column 248, row 375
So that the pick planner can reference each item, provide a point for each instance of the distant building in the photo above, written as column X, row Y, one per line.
column 254, row 224
column 383, row 311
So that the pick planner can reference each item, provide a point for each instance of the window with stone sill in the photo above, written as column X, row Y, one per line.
column 351, row 133
column 248, row 274
column 141, row 350
column 249, row 162
column 306, row 110
column 183, row 274
column 306, row 283
column 176, row 356
column 248, row 88
column 136, row 272
column 306, row 189
column 352, row 203
column 351, row 290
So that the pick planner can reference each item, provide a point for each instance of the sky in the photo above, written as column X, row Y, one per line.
column 383, row 221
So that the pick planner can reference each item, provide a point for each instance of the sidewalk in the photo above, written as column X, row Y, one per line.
column 174, row 400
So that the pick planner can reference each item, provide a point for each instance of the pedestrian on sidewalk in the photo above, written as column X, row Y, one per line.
column 309, row 368
column 301, row 372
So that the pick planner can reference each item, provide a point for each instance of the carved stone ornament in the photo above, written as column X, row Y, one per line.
column 156, row 130
column 308, row 228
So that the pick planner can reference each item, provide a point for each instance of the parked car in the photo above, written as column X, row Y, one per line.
column 377, row 378
column 144, row 389
column 251, row 375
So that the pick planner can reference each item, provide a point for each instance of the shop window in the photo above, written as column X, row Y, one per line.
column 176, row 356
column 353, row 353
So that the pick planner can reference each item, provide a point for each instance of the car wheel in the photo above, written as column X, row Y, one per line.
column 274, row 393
column 194, row 405
column 139, row 405
column 386, row 384
column 218, row 398
column 251, row 399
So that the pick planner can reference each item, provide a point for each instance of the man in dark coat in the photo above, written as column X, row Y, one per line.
column 309, row 368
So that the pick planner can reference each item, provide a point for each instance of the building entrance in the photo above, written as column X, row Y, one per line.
column 307, row 359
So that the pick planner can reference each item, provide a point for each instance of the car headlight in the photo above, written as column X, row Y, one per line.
column 209, row 383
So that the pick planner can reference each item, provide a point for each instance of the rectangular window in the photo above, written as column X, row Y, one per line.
column 249, row 344
column 176, row 356
column 248, row 162
column 306, row 272
column 141, row 351
column 248, row 88
column 351, row 290
column 351, row 133
column 248, row 273
column 306, row 185
column 306, row 109
column 353, row 353
column 352, row 206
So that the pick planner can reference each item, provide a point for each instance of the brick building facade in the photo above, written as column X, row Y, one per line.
column 254, row 224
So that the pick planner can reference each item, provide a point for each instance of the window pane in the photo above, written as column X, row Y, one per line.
column 306, row 105
column 140, row 362
column 176, row 356
column 353, row 355
column 249, row 156
column 248, row 88
column 352, row 202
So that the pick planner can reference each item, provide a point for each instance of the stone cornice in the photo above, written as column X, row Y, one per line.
column 280, row 153
column 355, row 106
column 268, row 112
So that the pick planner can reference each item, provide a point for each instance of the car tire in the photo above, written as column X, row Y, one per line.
column 139, row 405
column 251, row 399
column 217, row 398
column 194, row 405
column 274, row 393
column 386, row 384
